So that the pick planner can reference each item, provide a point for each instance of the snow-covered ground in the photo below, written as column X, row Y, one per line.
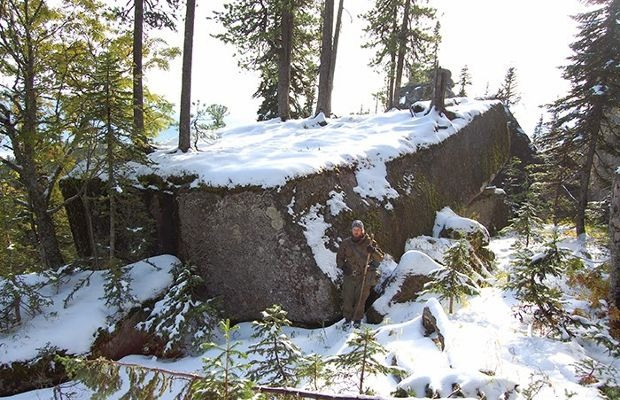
column 72, row 325
column 487, row 347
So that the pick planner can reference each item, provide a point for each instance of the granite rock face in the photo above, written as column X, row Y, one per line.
column 257, row 247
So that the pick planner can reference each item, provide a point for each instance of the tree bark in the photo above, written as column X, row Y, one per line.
column 439, row 91
column 324, row 97
column 392, row 66
column 111, row 165
column 614, row 233
column 186, row 80
column 284, row 61
column 138, row 90
column 586, row 171
column 402, row 49
column 335, row 49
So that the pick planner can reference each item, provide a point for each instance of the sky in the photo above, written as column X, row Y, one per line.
column 487, row 35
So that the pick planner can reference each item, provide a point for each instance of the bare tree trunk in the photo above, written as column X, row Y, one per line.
column 186, row 80
column 335, row 49
column 402, row 49
column 91, row 230
column 111, row 164
column 284, row 62
column 324, row 97
column 392, row 66
column 586, row 171
column 614, row 233
column 439, row 91
column 138, row 91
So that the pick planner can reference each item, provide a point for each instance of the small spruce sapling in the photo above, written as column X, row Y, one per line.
column 316, row 370
column 456, row 279
column 224, row 373
column 180, row 319
column 530, row 281
column 362, row 357
column 278, row 356
column 117, row 287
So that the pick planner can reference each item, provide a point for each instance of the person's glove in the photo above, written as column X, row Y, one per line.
column 371, row 249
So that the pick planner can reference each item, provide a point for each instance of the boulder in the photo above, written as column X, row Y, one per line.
column 404, row 285
column 491, row 209
column 436, row 322
column 256, row 246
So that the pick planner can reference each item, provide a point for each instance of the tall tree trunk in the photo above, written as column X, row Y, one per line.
column 138, row 91
column 186, row 80
column 392, row 65
column 614, row 233
column 49, row 249
column 284, row 62
column 402, row 49
column 324, row 99
column 586, row 171
column 111, row 164
column 332, row 67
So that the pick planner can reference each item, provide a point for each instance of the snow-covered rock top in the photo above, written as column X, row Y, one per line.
column 270, row 153
column 448, row 219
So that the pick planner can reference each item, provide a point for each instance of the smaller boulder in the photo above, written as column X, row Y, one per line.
column 403, row 285
column 490, row 208
column 448, row 224
column 435, row 320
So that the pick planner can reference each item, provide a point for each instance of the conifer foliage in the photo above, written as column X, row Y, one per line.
column 364, row 349
column 278, row 356
column 456, row 279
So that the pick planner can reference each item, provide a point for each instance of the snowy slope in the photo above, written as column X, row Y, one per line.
column 488, row 348
column 270, row 153
column 73, row 328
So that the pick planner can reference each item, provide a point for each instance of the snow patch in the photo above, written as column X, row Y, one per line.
column 372, row 182
column 336, row 203
column 315, row 228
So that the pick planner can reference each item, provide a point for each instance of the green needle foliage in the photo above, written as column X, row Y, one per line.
column 362, row 357
column 224, row 374
column 540, row 299
column 455, row 280
column 316, row 370
column 278, row 355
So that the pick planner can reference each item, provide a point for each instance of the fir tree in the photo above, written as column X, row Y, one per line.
column 279, row 356
column 180, row 319
column 205, row 120
column 399, row 31
column 316, row 370
column 456, row 279
column 586, row 112
column 527, row 222
column 508, row 93
column 279, row 38
column 224, row 373
column 464, row 81
column 362, row 357
column 530, row 281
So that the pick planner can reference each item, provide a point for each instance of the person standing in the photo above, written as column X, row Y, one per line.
column 358, row 257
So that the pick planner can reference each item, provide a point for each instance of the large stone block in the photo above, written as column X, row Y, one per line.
column 257, row 247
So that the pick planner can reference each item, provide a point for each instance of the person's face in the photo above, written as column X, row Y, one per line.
column 357, row 232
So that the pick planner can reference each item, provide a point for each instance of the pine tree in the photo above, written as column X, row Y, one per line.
column 205, row 120
column 362, row 357
column 595, row 90
column 316, row 370
column 180, row 319
column 527, row 222
column 224, row 373
column 279, row 38
column 530, row 281
column 399, row 32
column 464, row 80
column 456, row 279
column 279, row 356
column 508, row 93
